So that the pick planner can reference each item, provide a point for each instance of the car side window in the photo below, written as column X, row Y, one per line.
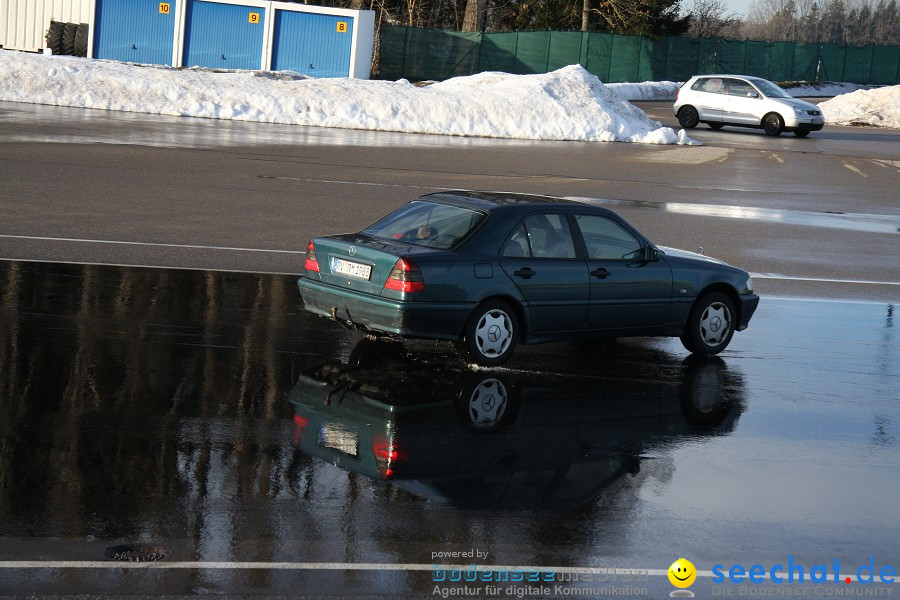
column 607, row 240
column 714, row 85
column 544, row 236
column 517, row 246
column 741, row 88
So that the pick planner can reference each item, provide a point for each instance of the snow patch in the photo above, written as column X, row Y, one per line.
column 877, row 107
column 569, row 104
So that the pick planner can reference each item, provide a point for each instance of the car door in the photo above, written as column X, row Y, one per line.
column 627, row 291
column 742, row 103
column 709, row 98
column 540, row 258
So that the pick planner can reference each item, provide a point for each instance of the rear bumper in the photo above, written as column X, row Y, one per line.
column 749, row 302
column 428, row 320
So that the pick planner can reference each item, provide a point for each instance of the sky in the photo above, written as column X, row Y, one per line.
column 568, row 104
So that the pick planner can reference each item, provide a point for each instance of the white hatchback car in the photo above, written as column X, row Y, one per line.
column 719, row 100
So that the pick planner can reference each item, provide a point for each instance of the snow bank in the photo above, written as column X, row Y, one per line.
column 824, row 90
column 648, row 90
column 879, row 107
column 568, row 104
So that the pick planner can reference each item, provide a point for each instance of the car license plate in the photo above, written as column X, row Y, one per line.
column 350, row 268
column 337, row 438
column 818, row 120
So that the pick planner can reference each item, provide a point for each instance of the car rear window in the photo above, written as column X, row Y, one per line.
column 428, row 224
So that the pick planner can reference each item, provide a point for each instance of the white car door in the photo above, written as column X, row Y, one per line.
column 709, row 97
column 743, row 103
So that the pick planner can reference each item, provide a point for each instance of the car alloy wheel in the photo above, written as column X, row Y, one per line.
column 711, row 325
column 715, row 324
column 492, row 333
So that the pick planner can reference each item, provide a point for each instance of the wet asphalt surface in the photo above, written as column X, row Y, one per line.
column 199, row 417
column 205, row 418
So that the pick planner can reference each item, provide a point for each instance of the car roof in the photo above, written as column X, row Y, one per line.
column 736, row 76
column 495, row 200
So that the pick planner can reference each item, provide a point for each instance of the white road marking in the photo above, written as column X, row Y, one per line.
column 155, row 244
column 363, row 183
column 855, row 170
column 332, row 566
column 145, row 266
column 820, row 279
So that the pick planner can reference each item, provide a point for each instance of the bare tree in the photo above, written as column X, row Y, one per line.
column 710, row 18
column 476, row 13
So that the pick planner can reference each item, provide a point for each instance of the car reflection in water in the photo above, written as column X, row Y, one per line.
column 502, row 438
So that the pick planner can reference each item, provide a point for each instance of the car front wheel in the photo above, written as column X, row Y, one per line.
column 710, row 325
column 688, row 117
column 491, row 333
column 773, row 124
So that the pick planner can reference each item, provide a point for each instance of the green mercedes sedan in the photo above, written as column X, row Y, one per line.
column 492, row 270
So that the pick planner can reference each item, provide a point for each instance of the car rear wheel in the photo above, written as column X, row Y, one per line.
column 801, row 132
column 773, row 124
column 716, row 125
column 710, row 325
column 688, row 117
column 491, row 333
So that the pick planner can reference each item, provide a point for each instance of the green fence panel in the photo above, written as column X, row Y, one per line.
column 392, row 52
column 707, row 56
column 806, row 59
column 565, row 49
column 418, row 54
column 781, row 58
column 435, row 54
column 654, row 60
column 599, row 55
column 498, row 52
column 732, row 56
column 758, row 59
column 885, row 60
column 625, row 58
column 858, row 64
column 832, row 66
column 532, row 52
column 684, row 54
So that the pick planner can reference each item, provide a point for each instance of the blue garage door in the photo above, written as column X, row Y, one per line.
column 224, row 36
column 315, row 45
column 140, row 31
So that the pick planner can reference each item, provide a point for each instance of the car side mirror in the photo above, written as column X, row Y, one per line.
column 752, row 95
column 651, row 254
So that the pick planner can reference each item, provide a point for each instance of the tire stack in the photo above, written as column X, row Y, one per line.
column 68, row 38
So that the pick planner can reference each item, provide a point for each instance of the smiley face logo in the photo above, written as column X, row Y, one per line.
column 682, row 573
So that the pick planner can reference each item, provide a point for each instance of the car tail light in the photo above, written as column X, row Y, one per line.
column 299, row 424
column 311, row 263
column 405, row 277
column 677, row 91
column 387, row 455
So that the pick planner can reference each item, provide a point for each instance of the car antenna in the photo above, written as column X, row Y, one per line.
column 699, row 249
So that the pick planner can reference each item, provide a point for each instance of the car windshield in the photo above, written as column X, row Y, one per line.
column 770, row 90
column 427, row 224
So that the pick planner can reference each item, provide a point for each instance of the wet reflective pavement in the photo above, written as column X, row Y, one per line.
column 206, row 415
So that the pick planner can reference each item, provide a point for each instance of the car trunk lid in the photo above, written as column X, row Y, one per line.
column 359, row 262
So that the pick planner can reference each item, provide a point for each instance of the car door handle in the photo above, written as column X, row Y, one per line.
column 600, row 273
column 524, row 273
